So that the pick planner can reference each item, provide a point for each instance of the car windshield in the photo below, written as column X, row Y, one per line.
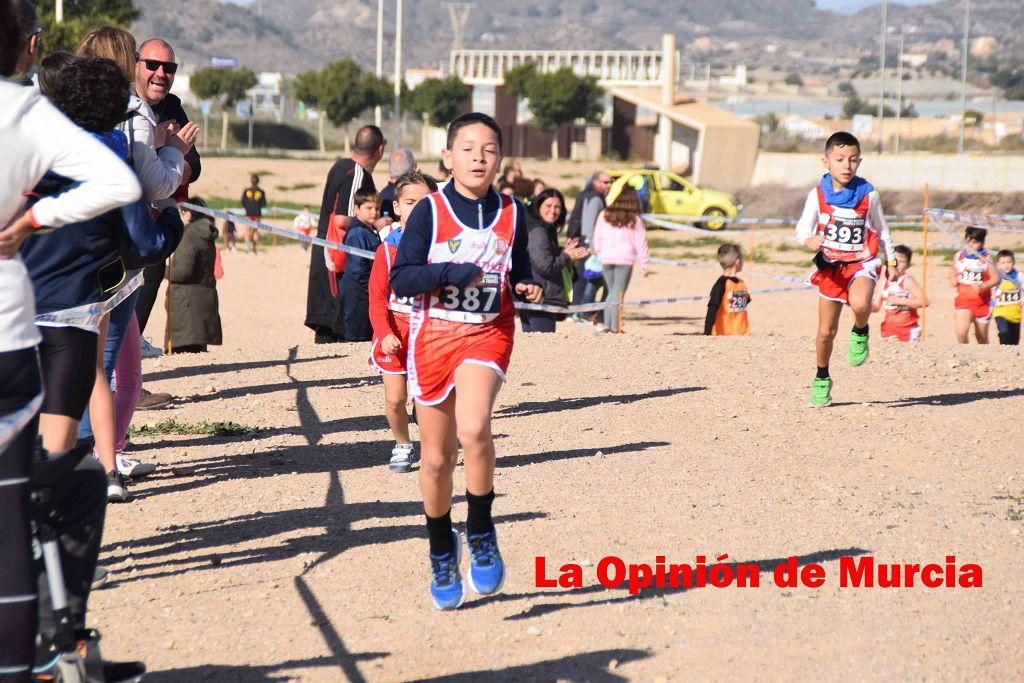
column 669, row 183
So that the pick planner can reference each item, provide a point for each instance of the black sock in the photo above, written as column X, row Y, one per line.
column 439, row 529
column 823, row 373
column 479, row 521
column 860, row 330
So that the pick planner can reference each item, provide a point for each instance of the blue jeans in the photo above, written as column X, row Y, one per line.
column 119, row 319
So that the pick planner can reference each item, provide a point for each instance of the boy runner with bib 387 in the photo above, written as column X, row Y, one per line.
column 463, row 257
column 844, row 223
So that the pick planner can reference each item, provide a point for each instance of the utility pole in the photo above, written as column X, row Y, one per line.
column 881, row 74
column 966, row 50
column 378, row 114
column 899, row 96
column 398, row 73
column 458, row 12
column 60, row 11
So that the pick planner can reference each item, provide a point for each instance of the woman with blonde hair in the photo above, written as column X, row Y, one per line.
column 157, row 153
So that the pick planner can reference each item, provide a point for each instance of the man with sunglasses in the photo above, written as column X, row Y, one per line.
column 154, row 75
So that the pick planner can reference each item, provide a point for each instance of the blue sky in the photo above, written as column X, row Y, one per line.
column 851, row 6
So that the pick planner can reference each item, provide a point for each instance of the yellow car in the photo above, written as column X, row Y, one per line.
column 668, row 194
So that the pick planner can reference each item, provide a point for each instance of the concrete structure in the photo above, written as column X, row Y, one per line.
column 958, row 173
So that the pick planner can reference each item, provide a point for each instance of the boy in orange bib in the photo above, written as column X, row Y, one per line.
column 389, row 316
column 463, row 257
column 727, row 304
column 900, row 298
column 843, row 222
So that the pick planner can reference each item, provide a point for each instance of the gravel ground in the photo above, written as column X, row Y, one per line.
column 292, row 553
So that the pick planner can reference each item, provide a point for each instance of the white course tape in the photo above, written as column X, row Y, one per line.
column 670, row 225
column 298, row 236
column 273, row 211
column 11, row 425
column 1006, row 223
column 742, row 220
column 89, row 316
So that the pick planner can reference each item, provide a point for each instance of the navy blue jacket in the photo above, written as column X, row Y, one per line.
column 412, row 275
column 83, row 263
column 357, row 268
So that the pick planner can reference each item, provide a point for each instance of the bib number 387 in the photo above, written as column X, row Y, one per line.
column 484, row 299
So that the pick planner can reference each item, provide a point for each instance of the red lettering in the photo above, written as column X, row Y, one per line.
column 813, row 576
column 640, row 577
column 571, row 576
column 857, row 573
column 540, row 578
column 602, row 572
column 786, row 574
column 971, row 576
column 931, row 575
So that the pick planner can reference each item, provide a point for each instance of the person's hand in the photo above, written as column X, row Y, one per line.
column 533, row 293
column 576, row 253
column 390, row 345
column 163, row 131
column 978, row 288
column 184, row 138
column 890, row 273
column 477, row 281
column 644, row 272
column 814, row 243
column 15, row 235
column 382, row 222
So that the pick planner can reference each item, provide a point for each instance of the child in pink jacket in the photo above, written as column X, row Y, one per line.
column 620, row 242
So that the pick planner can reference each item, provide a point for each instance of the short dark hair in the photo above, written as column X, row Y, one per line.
column 1005, row 253
column 841, row 139
column 729, row 254
column 93, row 93
column 975, row 233
column 28, row 17
column 534, row 208
column 364, row 196
column 413, row 178
column 11, row 38
column 368, row 140
column 50, row 70
column 904, row 251
column 470, row 119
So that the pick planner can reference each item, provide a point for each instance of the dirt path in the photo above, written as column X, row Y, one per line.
column 292, row 553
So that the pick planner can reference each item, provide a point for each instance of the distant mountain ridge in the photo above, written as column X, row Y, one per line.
column 294, row 35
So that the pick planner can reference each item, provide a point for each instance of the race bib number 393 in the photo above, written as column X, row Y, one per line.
column 844, row 234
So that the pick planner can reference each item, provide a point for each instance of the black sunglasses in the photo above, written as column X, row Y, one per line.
column 154, row 65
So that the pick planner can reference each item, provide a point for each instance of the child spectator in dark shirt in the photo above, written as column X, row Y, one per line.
column 355, row 282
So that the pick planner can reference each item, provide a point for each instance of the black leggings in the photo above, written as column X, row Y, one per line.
column 19, row 384
column 68, row 358
column 538, row 321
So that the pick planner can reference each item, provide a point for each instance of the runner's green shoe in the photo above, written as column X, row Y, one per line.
column 821, row 392
column 858, row 352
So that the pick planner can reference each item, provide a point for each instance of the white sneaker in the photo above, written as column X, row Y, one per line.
column 148, row 350
column 403, row 455
column 133, row 469
column 117, row 490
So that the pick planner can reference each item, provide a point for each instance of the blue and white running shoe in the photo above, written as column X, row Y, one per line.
column 446, row 587
column 486, row 568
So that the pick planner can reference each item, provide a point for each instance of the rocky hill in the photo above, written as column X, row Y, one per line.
column 294, row 35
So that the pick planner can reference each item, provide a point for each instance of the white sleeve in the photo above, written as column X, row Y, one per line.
column 104, row 182
column 877, row 218
column 807, row 226
column 159, row 172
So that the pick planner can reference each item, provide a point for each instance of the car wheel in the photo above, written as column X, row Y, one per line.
column 713, row 219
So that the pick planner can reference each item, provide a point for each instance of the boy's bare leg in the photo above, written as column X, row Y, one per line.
column 861, row 291
column 396, row 397
column 476, row 388
column 980, row 332
column 962, row 320
column 438, row 454
column 828, row 324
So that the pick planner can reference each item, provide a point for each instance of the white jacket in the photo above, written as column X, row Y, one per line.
column 37, row 138
column 160, row 172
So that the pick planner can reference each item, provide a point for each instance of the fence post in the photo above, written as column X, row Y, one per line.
column 924, row 272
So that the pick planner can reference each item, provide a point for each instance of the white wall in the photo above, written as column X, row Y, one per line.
column 963, row 173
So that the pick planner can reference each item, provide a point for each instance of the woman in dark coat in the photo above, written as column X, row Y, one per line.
column 553, row 267
column 193, row 310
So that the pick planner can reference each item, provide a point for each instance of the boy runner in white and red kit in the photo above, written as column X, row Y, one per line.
column 901, row 299
column 843, row 221
column 463, row 257
column 389, row 316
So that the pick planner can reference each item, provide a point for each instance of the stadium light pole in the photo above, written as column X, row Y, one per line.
column 378, row 113
column 881, row 73
column 899, row 96
column 966, row 50
column 398, row 72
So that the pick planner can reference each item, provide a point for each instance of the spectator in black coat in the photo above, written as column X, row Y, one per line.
column 553, row 267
